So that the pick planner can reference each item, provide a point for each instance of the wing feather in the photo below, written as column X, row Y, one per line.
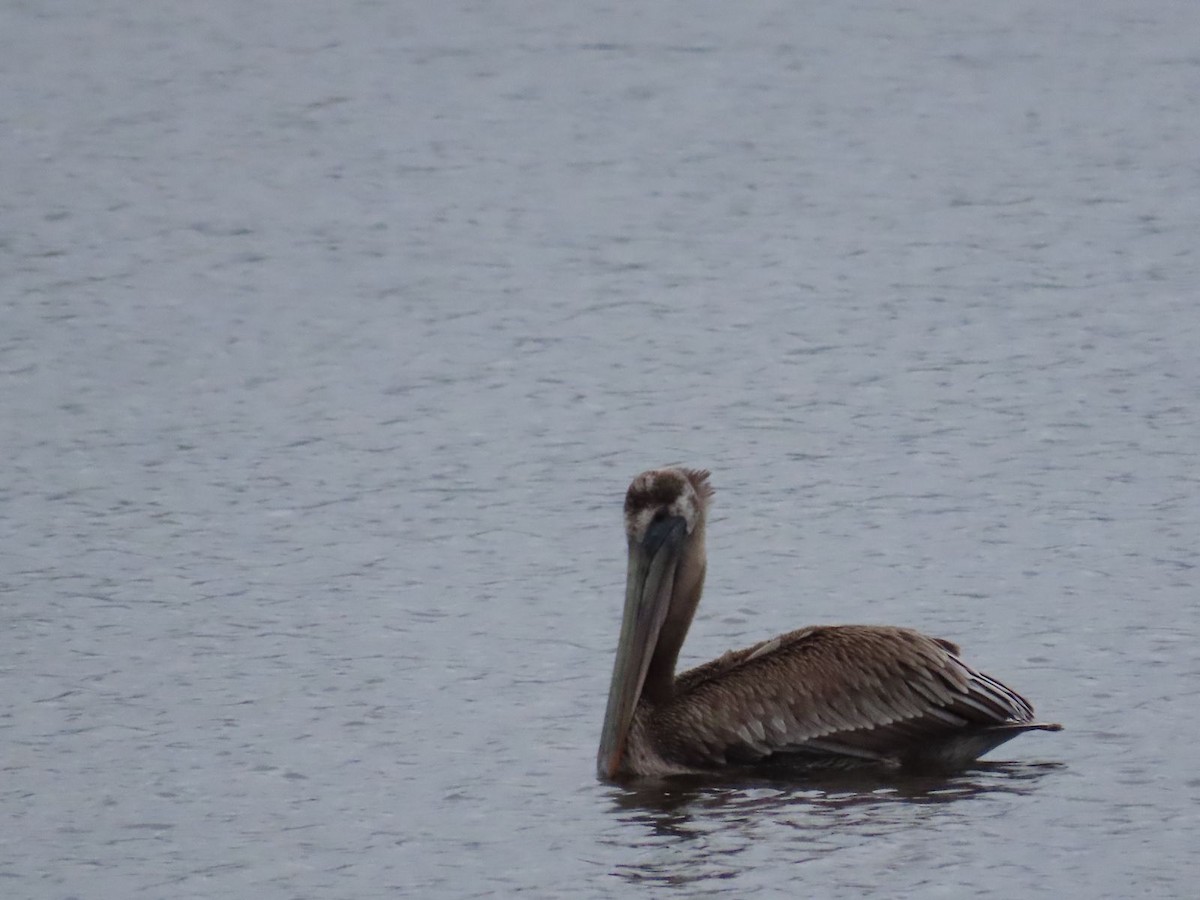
column 840, row 692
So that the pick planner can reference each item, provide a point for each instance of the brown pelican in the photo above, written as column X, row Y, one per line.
column 844, row 696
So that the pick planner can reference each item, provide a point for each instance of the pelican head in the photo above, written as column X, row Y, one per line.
column 665, row 512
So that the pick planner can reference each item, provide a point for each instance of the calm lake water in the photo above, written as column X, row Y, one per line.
column 333, row 333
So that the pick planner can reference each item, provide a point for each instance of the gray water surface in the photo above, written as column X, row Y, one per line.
column 333, row 333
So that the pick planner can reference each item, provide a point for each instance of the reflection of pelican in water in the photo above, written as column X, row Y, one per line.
column 831, row 697
column 736, row 792
column 707, row 832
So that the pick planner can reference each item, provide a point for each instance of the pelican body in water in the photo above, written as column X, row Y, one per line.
column 825, row 697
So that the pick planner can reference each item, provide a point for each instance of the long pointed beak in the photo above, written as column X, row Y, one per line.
column 649, row 582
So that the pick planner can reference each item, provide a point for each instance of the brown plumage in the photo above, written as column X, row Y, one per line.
column 829, row 697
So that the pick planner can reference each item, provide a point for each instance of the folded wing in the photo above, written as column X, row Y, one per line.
column 838, row 696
